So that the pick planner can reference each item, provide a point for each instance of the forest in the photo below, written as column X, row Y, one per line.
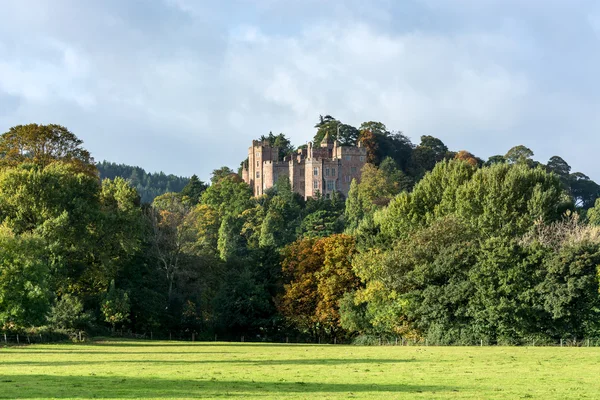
column 431, row 244
column 148, row 185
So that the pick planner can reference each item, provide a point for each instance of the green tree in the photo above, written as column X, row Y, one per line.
column 24, row 287
column 115, row 306
column 68, row 313
column 497, row 159
column 193, row 190
column 427, row 154
column 519, row 154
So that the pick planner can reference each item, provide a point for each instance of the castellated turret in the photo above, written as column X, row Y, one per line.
column 325, row 169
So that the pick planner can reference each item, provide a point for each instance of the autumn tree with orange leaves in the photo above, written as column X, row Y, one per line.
column 318, row 273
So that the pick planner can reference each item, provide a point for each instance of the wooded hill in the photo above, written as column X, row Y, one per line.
column 431, row 243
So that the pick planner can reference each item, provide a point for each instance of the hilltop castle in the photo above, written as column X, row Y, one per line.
column 326, row 169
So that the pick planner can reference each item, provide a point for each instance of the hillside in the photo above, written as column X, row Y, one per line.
column 148, row 184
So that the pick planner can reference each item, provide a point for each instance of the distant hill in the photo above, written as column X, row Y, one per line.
column 148, row 185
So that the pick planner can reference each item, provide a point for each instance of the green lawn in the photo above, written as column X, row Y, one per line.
column 166, row 370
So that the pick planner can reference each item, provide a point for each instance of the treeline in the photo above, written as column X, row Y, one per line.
column 148, row 185
column 430, row 244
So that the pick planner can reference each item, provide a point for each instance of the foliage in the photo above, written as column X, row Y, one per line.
column 149, row 185
column 438, row 245
column 115, row 306
column 193, row 190
column 24, row 291
column 68, row 313
column 318, row 274
column 281, row 141
column 42, row 145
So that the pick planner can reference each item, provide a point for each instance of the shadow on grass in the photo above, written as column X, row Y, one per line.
column 48, row 386
column 138, row 343
column 77, row 352
column 302, row 361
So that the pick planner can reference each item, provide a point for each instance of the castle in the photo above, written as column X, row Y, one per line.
column 326, row 169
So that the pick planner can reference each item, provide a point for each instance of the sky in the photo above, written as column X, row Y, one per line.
column 183, row 86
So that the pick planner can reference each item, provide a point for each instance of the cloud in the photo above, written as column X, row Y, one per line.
column 183, row 86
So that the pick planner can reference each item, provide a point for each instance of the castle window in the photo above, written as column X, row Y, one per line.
column 257, row 174
column 315, row 184
column 362, row 158
column 347, row 157
column 347, row 178
column 257, row 190
column 326, row 171
column 330, row 185
column 353, row 170
column 316, row 172
column 257, row 164
column 333, row 172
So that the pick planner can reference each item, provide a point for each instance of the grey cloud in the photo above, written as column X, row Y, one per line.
column 182, row 86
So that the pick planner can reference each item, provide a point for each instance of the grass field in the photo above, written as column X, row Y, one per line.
column 167, row 370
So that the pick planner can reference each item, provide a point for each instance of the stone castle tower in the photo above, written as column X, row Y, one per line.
column 326, row 169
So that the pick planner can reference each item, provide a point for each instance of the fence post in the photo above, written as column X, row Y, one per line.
column 151, row 336
column 18, row 339
column 335, row 340
column 242, row 339
column 170, row 335
column 287, row 339
column 588, row 343
column 426, row 344
column 481, row 343
column 560, row 342
column 41, row 340
column 215, row 338
column 5, row 339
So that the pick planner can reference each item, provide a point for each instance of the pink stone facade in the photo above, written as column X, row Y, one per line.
column 326, row 169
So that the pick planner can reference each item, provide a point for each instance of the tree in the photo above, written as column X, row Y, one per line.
column 559, row 166
column 193, row 190
column 281, row 141
column 583, row 190
column 467, row 157
column 148, row 185
column 497, row 159
column 322, row 223
column 120, row 229
column 318, row 274
column 229, row 195
column 68, row 313
column 115, row 306
column 519, row 154
column 24, row 285
column 43, row 145
column 61, row 205
column 170, row 235
column 230, row 243
column 381, row 143
column 221, row 173
column 427, row 154
column 593, row 214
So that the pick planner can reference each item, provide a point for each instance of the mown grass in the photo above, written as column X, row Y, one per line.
column 169, row 370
